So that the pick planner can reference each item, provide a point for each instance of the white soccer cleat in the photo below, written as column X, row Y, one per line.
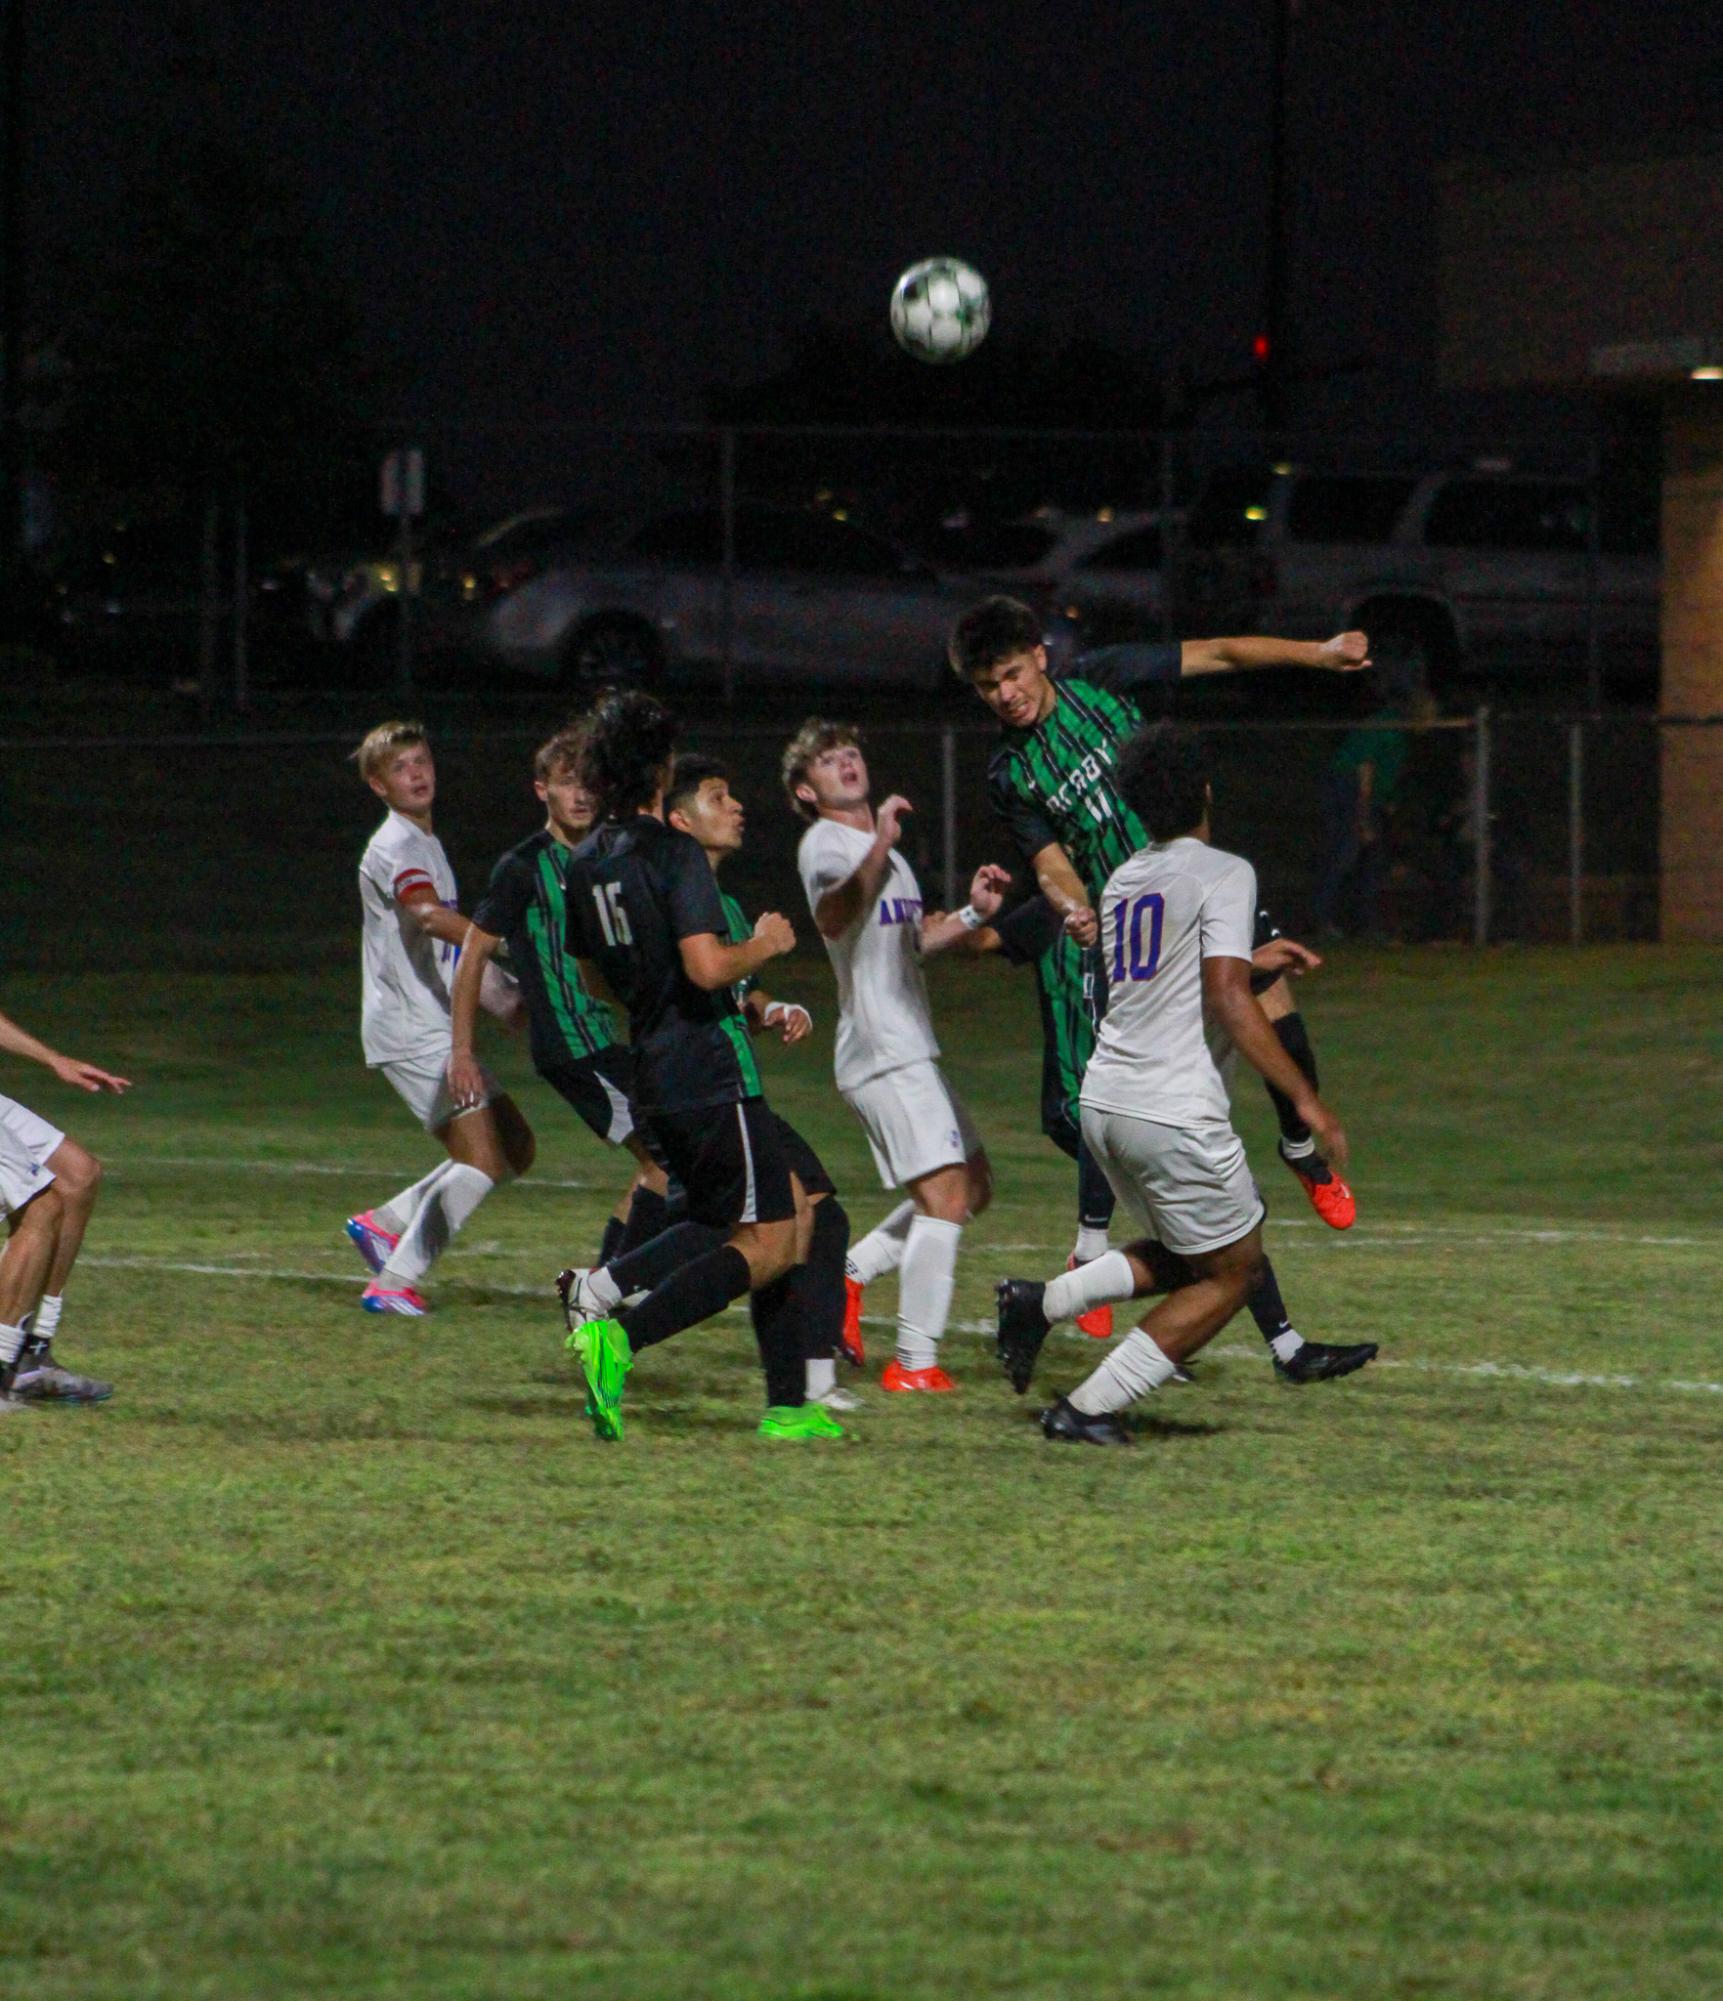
column 837, row 1398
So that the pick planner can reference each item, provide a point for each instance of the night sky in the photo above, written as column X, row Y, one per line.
column 553, row 210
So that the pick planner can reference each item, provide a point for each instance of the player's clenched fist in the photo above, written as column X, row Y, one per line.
column 987, row 890
column 1346, row 652
column 888, row 821
column 776, row 933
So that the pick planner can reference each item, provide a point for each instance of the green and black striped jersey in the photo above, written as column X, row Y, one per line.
column 1054, row 781
column 739, row 933
column 526, row 906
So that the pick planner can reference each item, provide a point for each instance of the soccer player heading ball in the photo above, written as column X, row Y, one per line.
column 1053, row 786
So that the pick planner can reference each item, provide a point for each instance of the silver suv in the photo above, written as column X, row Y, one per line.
column 811, row 597
column 1464, row 572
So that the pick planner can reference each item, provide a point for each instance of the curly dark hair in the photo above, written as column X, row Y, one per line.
column 1162, row 775
column 630, row 738
column 996, row 629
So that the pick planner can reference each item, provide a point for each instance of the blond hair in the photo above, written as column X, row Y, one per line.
column 382, row 743
column 815, row 737
column 567, row 747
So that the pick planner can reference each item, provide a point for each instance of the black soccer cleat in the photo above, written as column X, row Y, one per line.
column 1067, row 1425
column 1023, row 1327
column 1321, row 1361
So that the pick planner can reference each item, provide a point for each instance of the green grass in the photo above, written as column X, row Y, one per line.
column 341, row 1660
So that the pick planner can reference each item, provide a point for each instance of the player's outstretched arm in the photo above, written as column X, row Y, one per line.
column 1230, row 1004
column 842, row 905
column 447, row 926
column 1060, row 883
column 1345, row 653
column 16, row 1041
column 967, row 930
column 466, row 1079
column 712, row 963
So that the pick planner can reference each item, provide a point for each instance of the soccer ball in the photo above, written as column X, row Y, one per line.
column 940, row 309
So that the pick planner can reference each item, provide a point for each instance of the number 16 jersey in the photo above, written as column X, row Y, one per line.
column 1163, row 912
column 636, row 889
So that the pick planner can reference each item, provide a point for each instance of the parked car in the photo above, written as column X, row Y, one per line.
column 811, row 597
column 1474, row 571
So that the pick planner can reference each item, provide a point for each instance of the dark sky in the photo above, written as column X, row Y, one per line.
column 553, row 209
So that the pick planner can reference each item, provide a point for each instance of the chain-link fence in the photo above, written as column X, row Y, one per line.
column 742, row 556
column 203, row 853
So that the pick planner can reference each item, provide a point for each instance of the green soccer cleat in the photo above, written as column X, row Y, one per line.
column 799, row 1420
column 605, row 1360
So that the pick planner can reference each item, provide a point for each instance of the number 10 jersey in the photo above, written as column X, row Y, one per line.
column 1163, row 912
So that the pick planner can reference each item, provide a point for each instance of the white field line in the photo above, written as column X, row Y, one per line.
column 1506, row 1372
column 126, row 1166
column 1371, row 1236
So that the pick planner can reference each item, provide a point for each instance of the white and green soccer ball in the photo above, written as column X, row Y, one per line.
column 940, row 309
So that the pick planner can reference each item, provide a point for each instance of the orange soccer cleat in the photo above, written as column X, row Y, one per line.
column 1329, row 1195
column 897, row 1377
column 850, row 1340
column 1097, row 1323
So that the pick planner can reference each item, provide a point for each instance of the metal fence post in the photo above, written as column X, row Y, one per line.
column 948, row 810
column 727, row 604
column 1481, row 859
column 241, row 604
column 1594, row 584
column 1576, row 833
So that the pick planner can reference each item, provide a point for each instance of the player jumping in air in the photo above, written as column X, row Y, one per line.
column 1177, row 925
column 1051, row 782
column 868, row 906
column 572, row 1036
column 649, row 926
column 412, row 935
column 48, row 1188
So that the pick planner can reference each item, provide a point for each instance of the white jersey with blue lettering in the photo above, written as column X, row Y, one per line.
column 884, row 1021
column 404, row 1012
column 1163, row 912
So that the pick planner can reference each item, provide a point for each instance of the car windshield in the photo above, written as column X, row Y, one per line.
column 1343, row 507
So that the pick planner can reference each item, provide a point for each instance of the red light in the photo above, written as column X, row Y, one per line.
column 1259, row 349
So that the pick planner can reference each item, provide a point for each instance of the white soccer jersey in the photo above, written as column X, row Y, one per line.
column 407, row 972
column 1163, row 913
column 883, row 1017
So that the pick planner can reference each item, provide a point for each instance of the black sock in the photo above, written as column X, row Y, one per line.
column 1094, row 1192
column 610, row 1244
column 648, row 1214
column 778, row 1330
column 819, row 1284
column 1294, row 1038
column 689, row 1295
column 652, row 1262
column 1267, row 1308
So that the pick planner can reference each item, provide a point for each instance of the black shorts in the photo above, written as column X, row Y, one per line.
column 600, row 1088
column 732, row 1161
column 805, row 1164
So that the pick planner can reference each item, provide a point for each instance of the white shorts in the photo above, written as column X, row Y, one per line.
column 26, row 1142
column 914, row 1121
column 1190, row 1187
column 424, row 1082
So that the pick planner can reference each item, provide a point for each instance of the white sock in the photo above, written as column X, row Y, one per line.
column 603, row 1289
column 822, row 1375
column 396, row 1215
column 1134, row 1367
column 457, row 1194
column 11, row 1343
column 881, row 1250
column 924, row 1289
column 44, row 1323
column 1091, row 1243
column 1298, row 1149
column 1094, row 1284
column 1286, row 1344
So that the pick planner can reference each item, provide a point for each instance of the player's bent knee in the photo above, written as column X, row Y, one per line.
column 77, row 1172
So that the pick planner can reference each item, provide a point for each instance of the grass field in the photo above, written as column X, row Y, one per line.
column 341, row 1660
